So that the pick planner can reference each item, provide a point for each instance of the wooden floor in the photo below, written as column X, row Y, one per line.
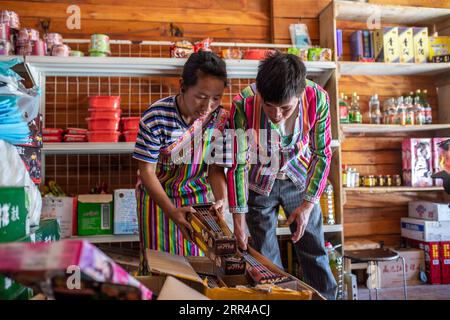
column 421, row 292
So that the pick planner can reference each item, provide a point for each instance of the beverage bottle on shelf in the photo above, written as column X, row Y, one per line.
column 349, row 177
column 400, row 117
column 355, row 112
column 427, row 108
column 343, row 109
column 409, row 107
column 374, row 110
column 344, row 175
column 336, row 266
column 327, row 204
column 419, row 111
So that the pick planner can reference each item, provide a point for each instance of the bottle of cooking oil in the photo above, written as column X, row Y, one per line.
column 336, row 266
column 327, row 204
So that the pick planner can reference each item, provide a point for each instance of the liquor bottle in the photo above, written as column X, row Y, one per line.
column 409, row 107
column 355, row 115
column 400, row 117
column 427, row 108
column 419, row 111
column 343, row 109
column 374, row 110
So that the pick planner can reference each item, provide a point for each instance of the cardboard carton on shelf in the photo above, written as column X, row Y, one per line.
column 441, row 157
column 432, row 254
column 125, row 213
column 14, row 218
column 65, row 210
column 429, row 210
column 95, row 214
column 425, row 230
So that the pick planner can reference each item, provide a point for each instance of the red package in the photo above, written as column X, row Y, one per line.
column 75, row 138
column 52, row 131
column 103, row 136
column 52, row 138
column 204, row 45
column 76, row 131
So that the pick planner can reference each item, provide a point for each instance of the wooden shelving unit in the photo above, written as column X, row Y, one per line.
column 346, row 13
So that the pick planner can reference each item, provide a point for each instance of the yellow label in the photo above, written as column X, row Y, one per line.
column 438, row 46
column 406, row 47
column 390, row 43
column 420, row 45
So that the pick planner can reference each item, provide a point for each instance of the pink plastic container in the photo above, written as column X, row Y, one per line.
column 105, row 113
column 4, row 31
column 95, row 124
column 105, row 102
column 130, row 136
column 39, row 48
column 103, row 136
column 130, row 123
column 60, row 50
column 28, row 34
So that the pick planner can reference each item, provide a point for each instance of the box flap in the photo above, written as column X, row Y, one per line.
column 174, row 289
column 95, row 198
column 174, row 265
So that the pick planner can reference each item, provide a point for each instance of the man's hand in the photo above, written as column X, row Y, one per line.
column 178, row 215
column 301, row 216
column 218, row 207
column 239, row 230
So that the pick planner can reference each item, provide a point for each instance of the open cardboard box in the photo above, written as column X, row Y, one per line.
column 188, row 270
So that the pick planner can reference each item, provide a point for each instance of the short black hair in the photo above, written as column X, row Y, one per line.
column 206, row 62
column 281, row 76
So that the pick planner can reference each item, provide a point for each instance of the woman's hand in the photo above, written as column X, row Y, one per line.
column 179, row 216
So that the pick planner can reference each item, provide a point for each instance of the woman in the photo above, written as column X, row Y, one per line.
column 173, row 174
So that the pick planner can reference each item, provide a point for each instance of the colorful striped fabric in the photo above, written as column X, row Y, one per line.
column 306, row 160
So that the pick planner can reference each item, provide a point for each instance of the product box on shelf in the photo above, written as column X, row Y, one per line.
column 432, row 253
column 95, row 214
column 417, row 162
column 31, row 157
column 445, row 261
column 14, row 218
column 429, row 210
column 420, row 45
column 386, row 46
column 438, row 46
column 406, row 45
column 425, row 230
column 65, row 210
column 125, row 214
column 391, row 272
column 441, row 157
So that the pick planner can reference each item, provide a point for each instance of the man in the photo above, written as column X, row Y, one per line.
column 285, row 161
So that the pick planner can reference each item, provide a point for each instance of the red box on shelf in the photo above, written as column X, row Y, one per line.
column 130, row 136
column 99, row 124
column 445, row 261
column 103, row 136
column 52, row 131
column 76, row 131
column 105, row 102
column 432, row 252
column 130, row 124
column 75, row 138
column 47, row 138
column 441, row 157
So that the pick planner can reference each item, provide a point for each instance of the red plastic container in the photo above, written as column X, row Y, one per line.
column 130, row 123
column 130, row 136
column 105, row 113
column 76, row 131
column 103, row 136
column 75, row 138
column 52, row 131
column 257, row 54
column 96, row 124
column 105, row 102
column 52, row 138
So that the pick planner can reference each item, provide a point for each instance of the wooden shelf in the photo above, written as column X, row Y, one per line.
column 108, row 238
column 352, row 68
column 377, row 190
column 390, row 128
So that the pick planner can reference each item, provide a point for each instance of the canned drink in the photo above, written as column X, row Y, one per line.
column 100, row 43
column 389, row 181
column 60, row 50
column 381, row 181
column 52, row 39
column 361, row 180
column 11, row 18
column 397, row 180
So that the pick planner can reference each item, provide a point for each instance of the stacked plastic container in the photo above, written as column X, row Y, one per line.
column 103, row 123
column 9, row 27
column 130, row 128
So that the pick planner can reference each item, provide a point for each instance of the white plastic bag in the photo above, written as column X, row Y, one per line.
column 14, row 174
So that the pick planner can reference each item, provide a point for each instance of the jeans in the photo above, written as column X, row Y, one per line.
column 262, row 219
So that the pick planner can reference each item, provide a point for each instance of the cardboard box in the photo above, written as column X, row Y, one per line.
column 406, row 44
column 420, row 44
column 95, row 214
column 432, row 253
column 65, row 210
column 14, row 218
column 445, row 261
column 385, row 44
column 438, row 46
column 30, row 264
column 417, row 162
column 441, row 157
column 391, row 272
column 424, row 230
column 429, row 210
column 187, row 270
column 125, row 212
column 170, row 288
column 31, row 157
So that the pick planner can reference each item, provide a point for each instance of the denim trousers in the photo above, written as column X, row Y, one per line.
column 262, row 219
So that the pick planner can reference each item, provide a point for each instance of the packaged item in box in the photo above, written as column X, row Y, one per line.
column 181, row 49
column 60, row 50
column 257, row 54
column 204, row 45
column 14, row 217
column 417, row 162
column 406, row 45
column 28, row 34
column 31, row 157
column 300, row 35
column 46, row 138
column 52, row 39
column 6, row 49
column 420, row 45
column 339, row 44
column 319, row 54
column 386, row 47
column 75, row 138
column 100, row 43
column 445, row 262
column 441, row 157
column 76, row 131
column 11, row 18
column 95, row 214
column 441, row 59
column 438, row 46
column 4, row 31
column 429, row 210
column 125, row 214
column 432, row 253
column 24, row 49
column 368, row 46
column 302, row 53
column 356, row 45
column 52, row 131
column 391, row 272
column 49, row 263
column 65, row 210
column 232, row 54
column 425, row 230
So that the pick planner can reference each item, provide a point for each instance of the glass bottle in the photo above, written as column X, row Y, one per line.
column 419, row 112
column 343, row 109
column 409, row 107
column 327, row 204
column 427, row 108
column 374, row 110
column 336, row 266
